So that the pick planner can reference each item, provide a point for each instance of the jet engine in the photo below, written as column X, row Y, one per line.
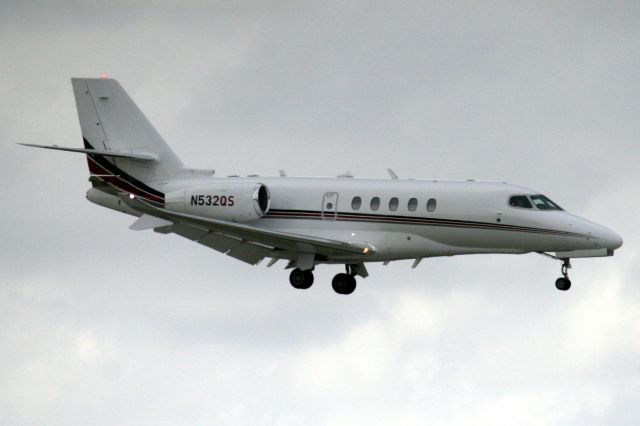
column 236, row 202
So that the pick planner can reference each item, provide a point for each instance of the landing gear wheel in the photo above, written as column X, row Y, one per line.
column 352, row 284
column 301, row 279
column 343, row 284
column 563, row 284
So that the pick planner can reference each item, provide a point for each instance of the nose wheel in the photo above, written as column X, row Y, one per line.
column 564, row 283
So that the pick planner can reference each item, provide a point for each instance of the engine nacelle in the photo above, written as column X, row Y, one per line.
column 236, row 202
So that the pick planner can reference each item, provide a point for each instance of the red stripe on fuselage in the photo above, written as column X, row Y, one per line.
column 121, row 183
column 408, row 220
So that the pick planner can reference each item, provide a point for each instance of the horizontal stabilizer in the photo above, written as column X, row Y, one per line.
column 148, row 222
column 141, row 157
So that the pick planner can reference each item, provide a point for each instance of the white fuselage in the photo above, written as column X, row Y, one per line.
column 464, row 217
column 306, row 220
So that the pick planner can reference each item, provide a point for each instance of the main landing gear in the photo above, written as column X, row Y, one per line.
column 344, row 283
column 301, row 280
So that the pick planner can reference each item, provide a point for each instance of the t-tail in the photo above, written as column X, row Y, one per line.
column 124, row 151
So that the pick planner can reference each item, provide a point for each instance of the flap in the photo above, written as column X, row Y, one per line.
column 149, row 222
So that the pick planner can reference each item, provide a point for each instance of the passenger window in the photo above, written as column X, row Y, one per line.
column 393, row 204
column 375, row 203
column 356, row 203
column 412, row 205
column 521, row 201
column 431, row 205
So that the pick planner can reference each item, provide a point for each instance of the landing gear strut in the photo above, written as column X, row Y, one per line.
column 564, row 283
column 301, row 279
column 345, row 283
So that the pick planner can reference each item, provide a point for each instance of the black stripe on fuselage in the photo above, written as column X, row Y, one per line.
column 411, row 220
column 121, row 179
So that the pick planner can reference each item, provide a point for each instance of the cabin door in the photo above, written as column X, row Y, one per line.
column 330, row 206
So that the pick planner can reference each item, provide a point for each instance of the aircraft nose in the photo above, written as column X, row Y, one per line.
column 613, row 240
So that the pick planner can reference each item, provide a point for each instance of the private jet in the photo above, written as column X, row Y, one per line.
column 310, row 221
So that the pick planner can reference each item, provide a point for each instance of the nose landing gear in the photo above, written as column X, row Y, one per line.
column 564, row 283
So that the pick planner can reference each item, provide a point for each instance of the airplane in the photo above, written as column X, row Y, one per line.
column 311, row 221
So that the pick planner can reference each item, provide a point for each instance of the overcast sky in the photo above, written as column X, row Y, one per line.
column 102, row 325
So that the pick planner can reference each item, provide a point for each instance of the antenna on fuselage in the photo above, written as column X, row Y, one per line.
column 393, row 174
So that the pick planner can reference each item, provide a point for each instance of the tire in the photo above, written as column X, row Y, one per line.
column 343, row 284
column 563, row 284
column 308, row 279
column 351, row 285
column 301, row 280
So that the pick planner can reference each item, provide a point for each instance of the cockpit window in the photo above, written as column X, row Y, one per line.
column 543, row 203
column 520, row 201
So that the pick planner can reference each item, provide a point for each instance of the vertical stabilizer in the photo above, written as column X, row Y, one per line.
column 111, row 121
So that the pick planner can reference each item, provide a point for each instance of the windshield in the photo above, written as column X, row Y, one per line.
column 529, row 201
column 543, row 203
column 520, row 201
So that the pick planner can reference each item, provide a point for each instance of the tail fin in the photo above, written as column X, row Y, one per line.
column 111, row 121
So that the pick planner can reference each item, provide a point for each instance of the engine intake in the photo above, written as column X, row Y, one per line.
column 236, row 202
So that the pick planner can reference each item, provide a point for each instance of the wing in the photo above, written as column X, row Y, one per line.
column 245, row 242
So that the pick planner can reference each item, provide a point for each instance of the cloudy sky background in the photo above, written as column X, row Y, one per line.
column 102, row 325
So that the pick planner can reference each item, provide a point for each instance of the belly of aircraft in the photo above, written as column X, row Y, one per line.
column 394, row 241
